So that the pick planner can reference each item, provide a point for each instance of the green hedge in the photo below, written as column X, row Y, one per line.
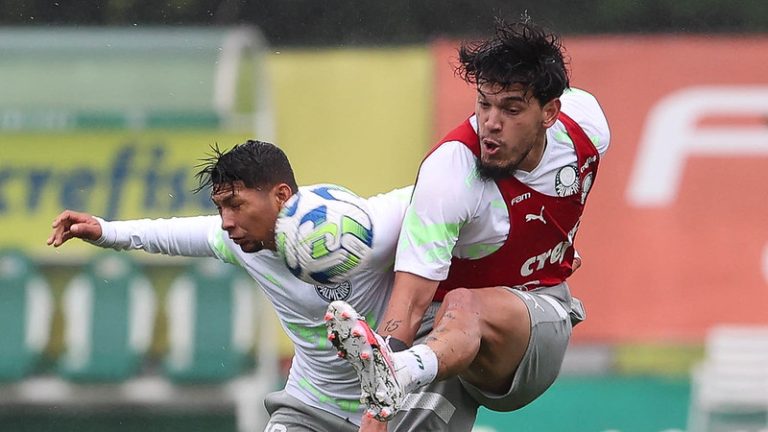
column 344, row 22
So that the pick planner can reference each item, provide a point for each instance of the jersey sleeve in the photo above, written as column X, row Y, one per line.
column 584, row 109
column 198, row 236
column 387, row 211
column 445, row 198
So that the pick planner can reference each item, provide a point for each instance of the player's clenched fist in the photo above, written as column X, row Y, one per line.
column 71, row 224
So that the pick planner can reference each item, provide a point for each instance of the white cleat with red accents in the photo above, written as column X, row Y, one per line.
column 371, row 357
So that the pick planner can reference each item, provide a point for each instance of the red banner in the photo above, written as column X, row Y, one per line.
column 675, row 236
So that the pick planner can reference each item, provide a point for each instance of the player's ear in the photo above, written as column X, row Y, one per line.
column 550, row 111
column 282, row 193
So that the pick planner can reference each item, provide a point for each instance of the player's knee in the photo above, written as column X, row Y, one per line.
column 462, row 311
column 460, row 298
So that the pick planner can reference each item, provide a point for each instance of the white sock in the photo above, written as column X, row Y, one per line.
column 416, row 367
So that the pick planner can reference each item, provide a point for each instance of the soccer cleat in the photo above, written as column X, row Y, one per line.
column 370, row 356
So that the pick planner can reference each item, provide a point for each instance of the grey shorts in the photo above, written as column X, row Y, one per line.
column 443, row 406
column 553, row 314
column 288, row 414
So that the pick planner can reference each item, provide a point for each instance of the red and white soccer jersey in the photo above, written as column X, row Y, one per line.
column 467, row 232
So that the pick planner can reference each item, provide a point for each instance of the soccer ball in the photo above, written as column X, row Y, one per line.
column 324, row 234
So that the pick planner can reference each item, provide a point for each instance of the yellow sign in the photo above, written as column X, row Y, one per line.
column 112, row 174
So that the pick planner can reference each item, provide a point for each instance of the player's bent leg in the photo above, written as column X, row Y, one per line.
column 288, row 414
column 550, row 311
column 458, row 332
column 481, row 334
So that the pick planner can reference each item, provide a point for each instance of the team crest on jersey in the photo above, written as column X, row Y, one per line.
column 331, row 293
column 567, row 181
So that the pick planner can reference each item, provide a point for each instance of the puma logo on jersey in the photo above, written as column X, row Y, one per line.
column 540, row 217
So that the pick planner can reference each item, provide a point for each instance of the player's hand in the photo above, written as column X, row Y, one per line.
column 71, row 224
column 370, row 424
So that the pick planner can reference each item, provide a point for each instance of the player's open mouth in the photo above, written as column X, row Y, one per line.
column 490, row 146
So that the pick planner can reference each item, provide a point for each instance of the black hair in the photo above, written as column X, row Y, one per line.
column 257, row 164
column 519, row 53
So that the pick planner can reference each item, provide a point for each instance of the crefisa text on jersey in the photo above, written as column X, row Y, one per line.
column 554, row 255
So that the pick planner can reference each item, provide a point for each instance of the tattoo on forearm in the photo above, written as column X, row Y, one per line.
column 392, row 325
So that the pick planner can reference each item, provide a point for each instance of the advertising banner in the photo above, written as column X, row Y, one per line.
column 112, row 174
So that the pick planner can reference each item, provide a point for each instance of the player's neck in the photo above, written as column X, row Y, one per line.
column 534, row 157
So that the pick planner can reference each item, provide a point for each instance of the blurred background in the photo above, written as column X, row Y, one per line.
column 107, row 106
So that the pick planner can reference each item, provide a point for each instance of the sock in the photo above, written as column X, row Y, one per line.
column 416, row 367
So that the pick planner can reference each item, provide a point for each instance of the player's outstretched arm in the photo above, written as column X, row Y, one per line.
column 192, row 236
column 71, row 224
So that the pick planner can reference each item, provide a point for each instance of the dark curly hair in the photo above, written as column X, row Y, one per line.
column 519, row 53
column 256, row 163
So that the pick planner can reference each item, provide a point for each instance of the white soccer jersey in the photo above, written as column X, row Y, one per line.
column 317, row 377
column 455, row 213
